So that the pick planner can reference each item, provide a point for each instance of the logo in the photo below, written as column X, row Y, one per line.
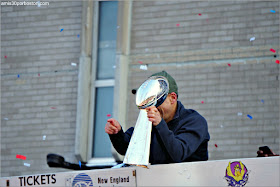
column 236, row 174
column 82, row 180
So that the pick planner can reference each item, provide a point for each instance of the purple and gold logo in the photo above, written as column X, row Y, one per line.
column 236, row 174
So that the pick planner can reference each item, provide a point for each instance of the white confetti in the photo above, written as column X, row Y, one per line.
column 44, row 137
column 6, row 119
column 144, row 67
column 252, row 39
column 114, row 67
column 73, row 64
column 26, row 164
column 239, row 113
column 222, row 126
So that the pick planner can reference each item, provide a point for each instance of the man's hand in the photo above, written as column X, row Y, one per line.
column 153, row 115
column 112, row 126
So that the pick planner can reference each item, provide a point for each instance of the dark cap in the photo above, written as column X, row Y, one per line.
column 172, row 83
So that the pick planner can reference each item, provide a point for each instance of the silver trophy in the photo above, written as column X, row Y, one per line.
column 152, row 92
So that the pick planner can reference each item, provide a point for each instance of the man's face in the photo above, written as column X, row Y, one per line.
column 167, row 108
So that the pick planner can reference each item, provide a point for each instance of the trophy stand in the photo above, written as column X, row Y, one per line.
column 152, row 92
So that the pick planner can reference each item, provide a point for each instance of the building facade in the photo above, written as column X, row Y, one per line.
column 68, row 66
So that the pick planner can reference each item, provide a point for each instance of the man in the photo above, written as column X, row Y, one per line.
column 178, row 134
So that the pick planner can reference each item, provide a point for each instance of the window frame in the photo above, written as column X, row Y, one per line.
column 87, row 82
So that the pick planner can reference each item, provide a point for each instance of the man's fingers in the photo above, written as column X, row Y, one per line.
column 112, row 126
column 114, row 122
column 111, row 129
column 108, row 131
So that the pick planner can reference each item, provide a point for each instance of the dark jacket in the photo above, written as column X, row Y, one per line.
column 183, row 139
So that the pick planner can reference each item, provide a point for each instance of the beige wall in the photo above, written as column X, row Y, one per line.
column 196, row 53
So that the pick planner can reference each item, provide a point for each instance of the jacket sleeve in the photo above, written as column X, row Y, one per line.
column 187, row 139
column 121, row 140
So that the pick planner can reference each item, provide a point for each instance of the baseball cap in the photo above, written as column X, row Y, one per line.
column 171, row 81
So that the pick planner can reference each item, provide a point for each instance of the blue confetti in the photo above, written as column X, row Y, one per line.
column 249, row 116
column 78, row 36
column 273, row 11
column 61, row 30
column 18, row 76
column 80, row 164
column 262, row 101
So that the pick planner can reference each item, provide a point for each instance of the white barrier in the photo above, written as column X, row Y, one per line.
column 237, row 172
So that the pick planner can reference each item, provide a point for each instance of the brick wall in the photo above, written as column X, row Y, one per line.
column 38, row 108
column 213, row 60
column 195, row 49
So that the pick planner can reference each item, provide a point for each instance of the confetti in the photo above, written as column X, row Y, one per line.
column 140, row 62
column 108, row 115
column 26, row 164
column 202, row 102
column 277, row 61
column 114, row 67
column 272, row 50
column 239, row 113
column 273, row 11
column 18, row 75
column 144, row 67
column 222, row 126
column 262, row 101
column 21, row 157
column 61, row 30
column 199, row 14
column 73, row 64
column 44, row 137
column 252, row 39
column 38, row 74
column 53, row 107
column 78, row 36
column 178, row 24
column 6, row 119
column 216, row 145
column 229, row 65
column 5, row 56
column 249, row 116
column 80, row 164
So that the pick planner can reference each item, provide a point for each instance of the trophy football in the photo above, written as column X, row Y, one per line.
column 152, row 92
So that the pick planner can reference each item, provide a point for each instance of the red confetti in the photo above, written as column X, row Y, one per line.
column 202, row 102
column 5, row 56
column 229, row 65
column 272, row 50
column 108, row 115
column 199, row 14
column 216, row 145
column 21, row 157
column 39, row 74
column 178, row 24
column 277, row 61
column 53, row 108
column 140, row 62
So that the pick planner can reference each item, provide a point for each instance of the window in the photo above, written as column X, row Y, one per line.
column 105, row 74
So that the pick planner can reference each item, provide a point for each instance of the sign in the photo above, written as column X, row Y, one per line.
column 104, row 177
